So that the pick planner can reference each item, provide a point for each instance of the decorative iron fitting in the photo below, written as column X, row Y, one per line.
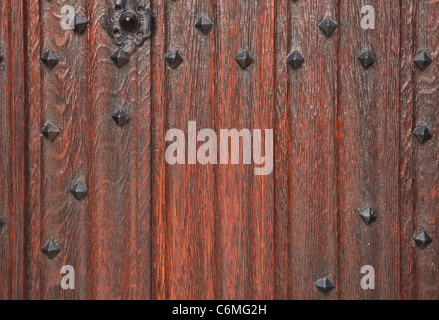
column 129, row 23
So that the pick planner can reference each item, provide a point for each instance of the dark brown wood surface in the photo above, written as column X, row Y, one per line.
column 343, row 142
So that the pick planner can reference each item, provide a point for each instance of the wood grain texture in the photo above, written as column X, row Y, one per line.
column 368, row 151
column 190, row 201
column 419, row 163
column 147, row 230
column 119, row 170
column 306, row 214
column 12, row 159
column 245, row 215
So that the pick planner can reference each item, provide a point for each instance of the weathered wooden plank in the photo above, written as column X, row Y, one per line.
column 116, row 175
column 368, row 151
column 61, row 99
column 419, row 163
column 13, row 156
column 244, row 225
column 282, row 145
column 141, row 227
column 34, row 147
column 159, row 225
column 190, row 197
column 305, row 172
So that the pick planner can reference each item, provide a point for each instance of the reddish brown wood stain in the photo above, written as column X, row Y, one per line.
column 147, row 230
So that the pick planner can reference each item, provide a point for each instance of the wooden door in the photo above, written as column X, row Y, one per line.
column 84, row 177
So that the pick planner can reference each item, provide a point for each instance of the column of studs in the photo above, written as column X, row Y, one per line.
column 50, row 131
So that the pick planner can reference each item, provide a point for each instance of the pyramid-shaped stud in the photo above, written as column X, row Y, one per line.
column 244, row 59
column 121, row 118
column 120, row 58
column 367, row 58
column 324, row 284
column 79, row 190
column 422, row 134
column 80, row 24
column 295, row 59
column 174, row 58
column 368, row 215
column 49, row 59
column 50, row 131
column 422, row 60
column 423, row 239
column 51, row 248
column 328, row 26
column 204, row 25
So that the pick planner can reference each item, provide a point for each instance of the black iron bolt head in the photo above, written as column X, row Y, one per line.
column 204, row 25
column 368, row 215
column 79, row 190
column 295, row 59
column 80, row 24
column 50, row 131
column 423, row 239
column 51, row 248
column 324, row 284
column 120, row 58
column 174, row 59
column 367, row 59
column 129, row 21
column 244, row 59
column 49, row 59
column 422, row 60
column 121, row 118
column 328, row 26
column 422, row 134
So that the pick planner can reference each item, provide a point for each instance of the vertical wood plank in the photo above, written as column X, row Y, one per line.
column 368, row 151
column 13, row 157
column 159, row 105
column 306, row 193
column 61, row 99
column 35, row 159
column 419, row 163
column 190, row 196
column 282, row 147
column 119, row 235
column 244, row 225
column 142, row 225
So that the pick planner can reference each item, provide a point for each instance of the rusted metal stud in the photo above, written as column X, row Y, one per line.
column 121, row 118
column 244, row 59
column 367, row 58
column 324, row 284
column 204, row 25
column 295, row 59
column 50, row 131
column 174, row 59
column 422, row 60
column 51, row 248
column 120, row 58
column 129, row 23
column 422, row 134
column 49, row 59
column 368, row 216
column 423, row 239
column 80, row 24
column 79, row 190
column 328, row 26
